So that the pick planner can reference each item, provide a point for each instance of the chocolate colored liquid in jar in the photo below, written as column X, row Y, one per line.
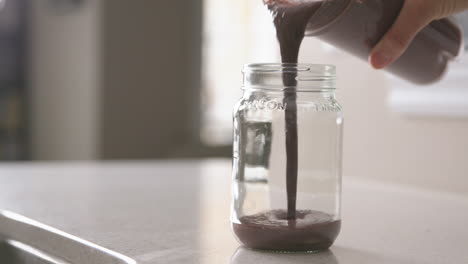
column 291, row 229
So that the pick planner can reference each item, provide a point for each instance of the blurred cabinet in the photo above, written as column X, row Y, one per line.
column 115, row 79
column 13, row 80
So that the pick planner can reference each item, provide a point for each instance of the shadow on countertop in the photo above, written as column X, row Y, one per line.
column 244, row 255
column 335, row 255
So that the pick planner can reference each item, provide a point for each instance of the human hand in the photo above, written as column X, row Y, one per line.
column 414, row 16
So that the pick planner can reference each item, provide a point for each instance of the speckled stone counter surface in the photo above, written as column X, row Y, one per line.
column 178, row 212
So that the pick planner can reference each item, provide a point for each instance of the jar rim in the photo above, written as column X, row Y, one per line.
column 317, row 70
column 309, row 77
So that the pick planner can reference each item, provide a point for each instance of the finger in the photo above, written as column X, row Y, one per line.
column 411, row 20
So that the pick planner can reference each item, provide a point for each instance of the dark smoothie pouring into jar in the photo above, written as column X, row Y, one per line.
column 355, row 26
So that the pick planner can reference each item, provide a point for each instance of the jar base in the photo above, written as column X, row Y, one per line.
column 289, row 251
column 312, row 231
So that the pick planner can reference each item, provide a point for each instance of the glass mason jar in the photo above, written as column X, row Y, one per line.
column 287, row 158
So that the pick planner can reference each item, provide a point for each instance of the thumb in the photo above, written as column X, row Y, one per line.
column 410, row 21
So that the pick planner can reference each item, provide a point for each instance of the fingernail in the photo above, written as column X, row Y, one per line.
column 379, row 60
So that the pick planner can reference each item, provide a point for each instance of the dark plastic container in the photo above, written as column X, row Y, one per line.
column 356, row 26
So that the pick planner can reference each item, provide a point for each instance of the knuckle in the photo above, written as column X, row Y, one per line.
column 446, row 8
column 436, row 9
column 421, row 11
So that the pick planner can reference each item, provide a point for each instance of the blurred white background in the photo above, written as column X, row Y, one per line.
column 119, row 79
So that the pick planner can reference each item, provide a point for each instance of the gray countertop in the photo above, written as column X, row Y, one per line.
column 178, row 212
